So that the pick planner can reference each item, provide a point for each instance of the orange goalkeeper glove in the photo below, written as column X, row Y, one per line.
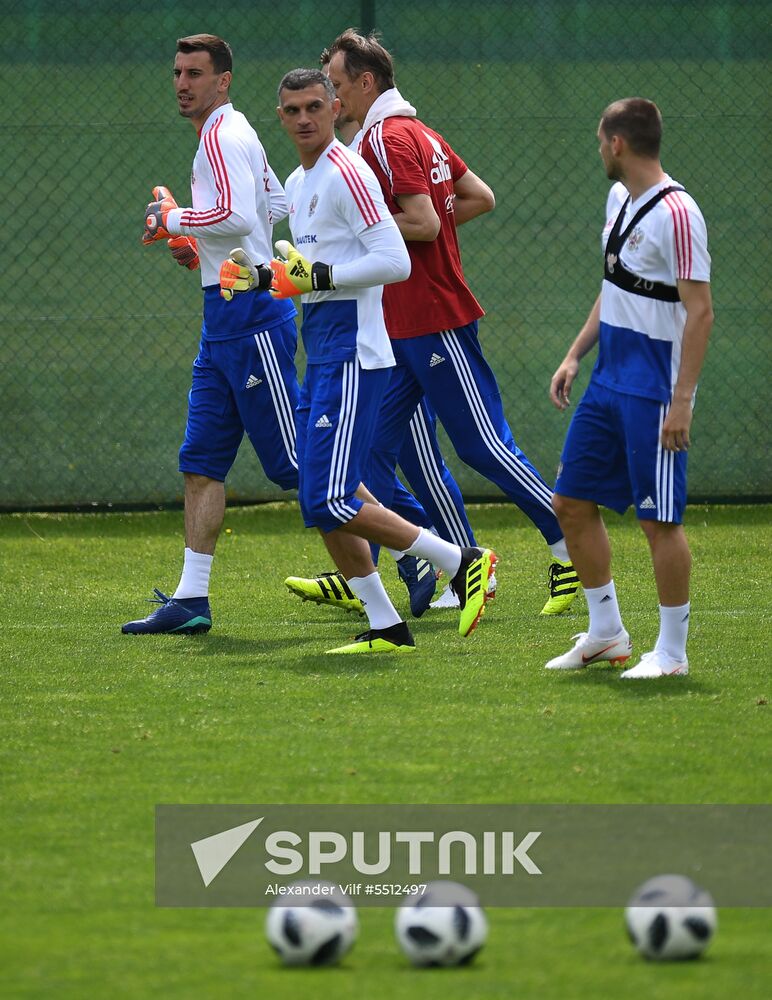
column 296, row 275
column 156, row 213
column 239, row 273
column 184, row 251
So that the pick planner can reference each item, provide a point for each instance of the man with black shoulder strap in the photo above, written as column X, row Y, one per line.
column 629, row 437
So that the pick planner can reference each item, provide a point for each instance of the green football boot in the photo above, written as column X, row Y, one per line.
column 563, row 584
column 329, row 588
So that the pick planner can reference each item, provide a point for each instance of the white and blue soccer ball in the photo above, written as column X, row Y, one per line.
column 314, row 929
column 670, row 917
column 443, row 926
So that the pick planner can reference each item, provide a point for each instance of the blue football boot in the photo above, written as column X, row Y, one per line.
column 420, row 578
column 180, row 617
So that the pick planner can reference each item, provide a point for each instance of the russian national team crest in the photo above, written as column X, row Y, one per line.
column 312, row 205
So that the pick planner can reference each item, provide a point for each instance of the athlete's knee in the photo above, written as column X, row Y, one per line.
column 664, row 533
column 561, row 505
column 195, row 482
column 571, row 511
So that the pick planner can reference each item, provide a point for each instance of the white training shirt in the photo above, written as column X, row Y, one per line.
column 337, row 215
column 640, row 338
column 236, row 196
column 356, row 141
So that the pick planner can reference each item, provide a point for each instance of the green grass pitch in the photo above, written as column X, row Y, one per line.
column 99, row 727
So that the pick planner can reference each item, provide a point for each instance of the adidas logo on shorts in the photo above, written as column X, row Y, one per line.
column 323, row 421
column 647, row 504
column 435, row 359
column 253, row 381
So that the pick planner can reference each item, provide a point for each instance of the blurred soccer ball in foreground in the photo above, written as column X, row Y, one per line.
column 670, row 917
column 444, row 926
column 312, row 929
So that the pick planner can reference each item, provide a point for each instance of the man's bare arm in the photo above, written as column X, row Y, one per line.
column 696, row 298
column 563, row 379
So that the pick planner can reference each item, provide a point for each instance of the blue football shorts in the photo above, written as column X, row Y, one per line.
column 244, row 384
column 613, row 456
column 335, row 419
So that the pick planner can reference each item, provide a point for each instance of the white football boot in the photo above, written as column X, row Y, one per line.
column 588, row 650
column 657, row 664
column 447, row 599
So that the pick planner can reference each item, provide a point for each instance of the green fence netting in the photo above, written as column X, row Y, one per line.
column 97, row 333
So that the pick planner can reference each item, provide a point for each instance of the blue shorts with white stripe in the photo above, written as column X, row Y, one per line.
column 245, row 383
column 613, row 456
column 335, row 420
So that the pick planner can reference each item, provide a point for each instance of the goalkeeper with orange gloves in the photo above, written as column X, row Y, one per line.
column 351, row 248
column 244, row 377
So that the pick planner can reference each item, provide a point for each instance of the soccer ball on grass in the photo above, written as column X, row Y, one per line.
column 316, row 929
column 444, row 926
column 670, row 917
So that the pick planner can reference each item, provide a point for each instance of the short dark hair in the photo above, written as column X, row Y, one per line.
column 638, row 122
column 299, row 79
column 218, row 49
column 364, row 54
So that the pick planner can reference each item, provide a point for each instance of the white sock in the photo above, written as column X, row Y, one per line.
column 443, row 554
column 605, row 620
column 673, row 630
column 395, row 554
column 560, row 551
column 380, row 612
column 194, row 581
